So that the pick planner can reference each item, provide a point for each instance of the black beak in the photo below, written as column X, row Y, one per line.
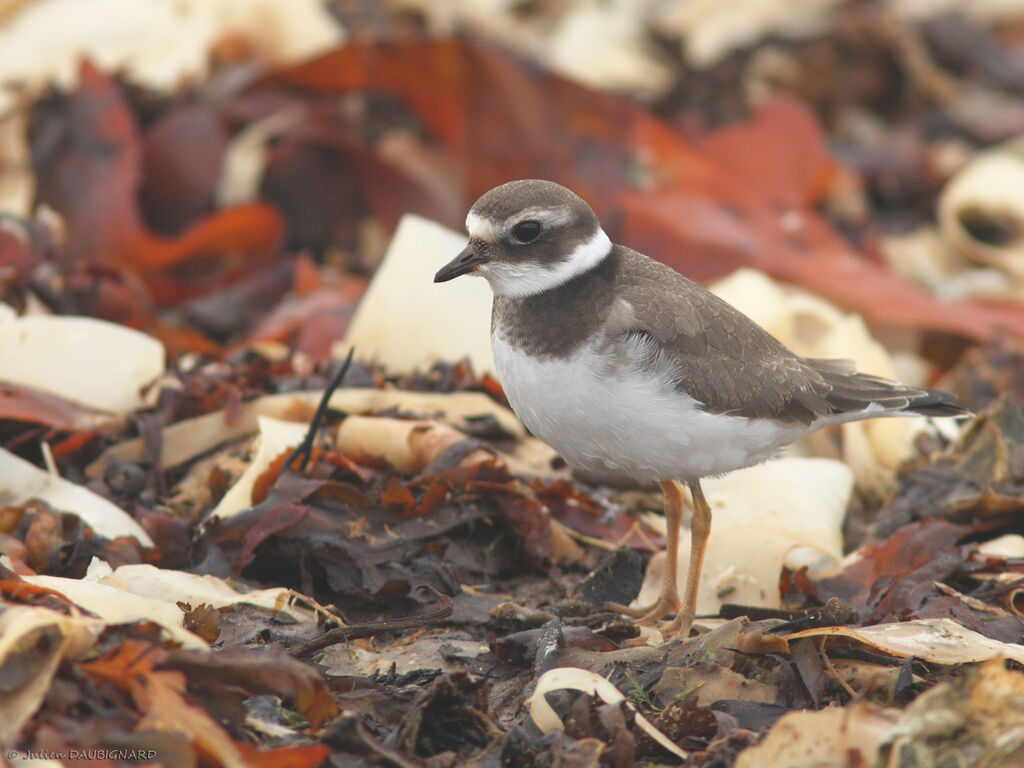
column 465, row 262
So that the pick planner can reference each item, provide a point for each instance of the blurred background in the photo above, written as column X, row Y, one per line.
column 184, row 167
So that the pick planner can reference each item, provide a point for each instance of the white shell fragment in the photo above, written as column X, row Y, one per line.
column 576, row 679
column 158, row 43
column 176, row 587
column 115, row 606
column 406, row 322
column 275, row 437
column 46, row 636
column 92, row 362
column 624, row 61
column 710, row 30
column 21, row 481
column 187, row 439
column 981, row 209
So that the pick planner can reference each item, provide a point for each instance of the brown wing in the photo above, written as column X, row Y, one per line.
column 723, row 359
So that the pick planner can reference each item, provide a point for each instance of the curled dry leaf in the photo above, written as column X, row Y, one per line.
column 21, row 403
column 942, row 641
column 160, row 695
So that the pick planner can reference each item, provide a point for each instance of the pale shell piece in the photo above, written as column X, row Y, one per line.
column 711, row 30
column 275, row 437
column 41, row 632
column 157, row 43
column 409, row 446
column 174, row 587
column 116, row 606
column 813, row 327
column 1007, row 545
column 406, row 322
column 92, row 362
column 622, row 62
column 189, row 438
column 17, row 179
column 981, row 209
column 576, row 679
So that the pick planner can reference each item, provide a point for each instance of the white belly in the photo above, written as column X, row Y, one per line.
column 628, row 424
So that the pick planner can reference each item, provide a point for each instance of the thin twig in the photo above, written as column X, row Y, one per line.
column 831, row 669
column 353, row 631
column 305, row 448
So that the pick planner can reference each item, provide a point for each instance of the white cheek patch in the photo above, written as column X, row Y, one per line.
column 480, row 228
column 528, row 278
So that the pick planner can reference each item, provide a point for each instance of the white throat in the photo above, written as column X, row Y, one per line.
column 527, row 279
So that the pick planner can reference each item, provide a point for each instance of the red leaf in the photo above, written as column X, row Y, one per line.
column 96, row 192
column 19, row 403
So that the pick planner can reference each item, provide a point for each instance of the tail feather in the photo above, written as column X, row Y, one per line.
column 852, row 392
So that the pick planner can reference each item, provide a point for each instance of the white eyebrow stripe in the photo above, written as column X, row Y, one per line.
column 481, row 228
column 551, row 217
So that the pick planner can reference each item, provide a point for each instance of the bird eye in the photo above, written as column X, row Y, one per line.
column 526, row 231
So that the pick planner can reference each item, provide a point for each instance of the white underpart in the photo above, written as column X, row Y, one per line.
column 627, row 423
column 527, row 278
column 624, row 423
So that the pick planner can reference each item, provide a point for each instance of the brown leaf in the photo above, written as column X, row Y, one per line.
column 259, row 671
column 396, row 493
column 160, row 697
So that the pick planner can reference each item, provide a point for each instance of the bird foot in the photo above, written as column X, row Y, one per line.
column 667, row 631
column 651, row 615
column 648, row 614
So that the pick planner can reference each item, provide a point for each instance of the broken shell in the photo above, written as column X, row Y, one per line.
column 981, row 210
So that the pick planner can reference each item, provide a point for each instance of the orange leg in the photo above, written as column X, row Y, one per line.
column 700, row 529
column 668, row 600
